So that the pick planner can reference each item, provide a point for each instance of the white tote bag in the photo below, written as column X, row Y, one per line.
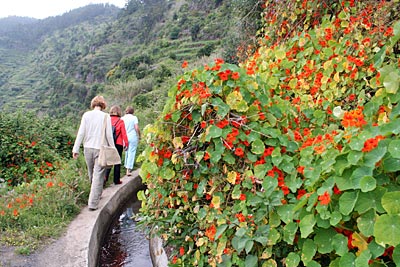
column 108, row 155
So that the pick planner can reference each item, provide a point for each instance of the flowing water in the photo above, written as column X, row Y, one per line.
column 124, row 245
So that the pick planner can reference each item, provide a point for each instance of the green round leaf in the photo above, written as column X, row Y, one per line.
column 371, row 158
column 323, row 239
column 308, row 251
column 289, row 232
column 286, row 213
column 214, row 132
column 391, row 82
column 251, row 261
column 347, row 202
column 307, row 225
column 339, row 244
column 366, row 223
column 391, row 202
column 396, row 255
column 363, row 259
column 257, row 147
column 347, row 260
column 376, row 249
column 354, row 156
column 336, row 217
column 367, row 183
column 370, row 200
column 292, row 260
column 391, row 165
column 167, row 173
column 394, row 148
column 223, row 108
column 387, row 230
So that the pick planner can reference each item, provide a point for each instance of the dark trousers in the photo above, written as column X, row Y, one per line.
column 117, row 168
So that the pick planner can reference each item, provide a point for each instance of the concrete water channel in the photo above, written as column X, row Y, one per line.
column 82, row 241
column 125, row 245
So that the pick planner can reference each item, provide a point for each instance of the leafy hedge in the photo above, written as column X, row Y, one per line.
column 291, row 159
column 30, row 147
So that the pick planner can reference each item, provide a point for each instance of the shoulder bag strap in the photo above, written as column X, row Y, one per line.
column 103, row 139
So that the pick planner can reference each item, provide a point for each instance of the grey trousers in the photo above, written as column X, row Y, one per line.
column 96, row 176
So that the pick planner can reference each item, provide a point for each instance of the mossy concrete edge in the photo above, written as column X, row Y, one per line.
column 113, row 199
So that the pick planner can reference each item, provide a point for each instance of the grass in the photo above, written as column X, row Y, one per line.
column 32, row 214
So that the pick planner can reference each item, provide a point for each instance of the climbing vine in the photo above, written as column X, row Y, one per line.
column 292, row 158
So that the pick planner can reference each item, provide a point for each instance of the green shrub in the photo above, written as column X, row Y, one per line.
column 30, row 147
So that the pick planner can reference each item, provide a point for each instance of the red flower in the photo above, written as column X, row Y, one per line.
column 300, row 169
column 223, row 76
column 324, row 199
column 240, row 217
column 167, row 154
column 167, row 117
column 239, row 152
column 49, row 184
column 300, row 193
column 206, row 156
column 184, row 64
column 222, row 124
column 371, row 143
column 268, row 151
column 336, row 190
column 181, row 251
column 242, row 197
column 235, row 75
column 203, row 124
column 210, row 232
column 219, row 61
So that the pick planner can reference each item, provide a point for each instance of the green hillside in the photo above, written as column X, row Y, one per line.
column 130, row 55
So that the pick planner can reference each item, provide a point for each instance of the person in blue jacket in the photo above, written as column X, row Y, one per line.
column 133, row 132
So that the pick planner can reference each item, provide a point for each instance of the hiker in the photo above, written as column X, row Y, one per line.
column 133, row 132
column 120, row 141
column 91, row 132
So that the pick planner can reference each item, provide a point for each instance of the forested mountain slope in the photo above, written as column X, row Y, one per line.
column 56, row 65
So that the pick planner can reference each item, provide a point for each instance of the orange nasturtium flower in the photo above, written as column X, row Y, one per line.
column 210, row 232
column 353, row 118
column 372, row 143
column 184, row 64
column 324, row 199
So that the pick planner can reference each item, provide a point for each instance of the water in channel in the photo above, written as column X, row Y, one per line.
column 124, row 245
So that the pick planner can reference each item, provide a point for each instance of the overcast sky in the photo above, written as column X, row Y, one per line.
column 41, row 9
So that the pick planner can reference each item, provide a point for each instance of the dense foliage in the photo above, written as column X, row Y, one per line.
column 291, row 159
column 40, row 188
column 30, row 147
